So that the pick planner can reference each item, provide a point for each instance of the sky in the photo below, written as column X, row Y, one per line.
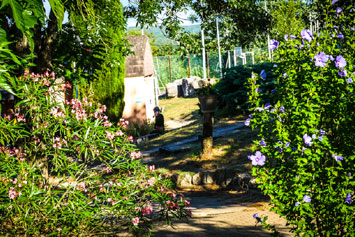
column 131, row 22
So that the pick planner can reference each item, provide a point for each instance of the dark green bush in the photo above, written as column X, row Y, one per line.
column 233, row 92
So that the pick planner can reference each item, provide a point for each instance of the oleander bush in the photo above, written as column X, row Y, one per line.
column 66, row 169
column 233, row 91
column 305, row 157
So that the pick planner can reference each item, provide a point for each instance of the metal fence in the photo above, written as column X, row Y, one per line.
column 171, row 68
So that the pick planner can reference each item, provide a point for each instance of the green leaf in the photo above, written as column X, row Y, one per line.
column 3, row 37
column 58, row 9
column 17, row 10
column 30, row 20
column 5, row 85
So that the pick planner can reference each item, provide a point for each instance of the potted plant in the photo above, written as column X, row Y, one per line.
column 207, row 96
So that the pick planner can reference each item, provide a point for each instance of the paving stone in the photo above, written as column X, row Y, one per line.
column 197, row 179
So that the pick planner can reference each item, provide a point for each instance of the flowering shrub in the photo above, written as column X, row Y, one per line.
column 67, row 169
column 305, row 157
column 233, row 92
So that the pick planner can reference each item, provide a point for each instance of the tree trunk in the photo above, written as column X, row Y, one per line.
column 207, row 136
column 44, row 53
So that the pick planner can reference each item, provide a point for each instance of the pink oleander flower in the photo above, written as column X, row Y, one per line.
column 147, row 210
column 151, row 182
column 81, row 186
column 109, row 135
column 12, row 193
column 102, row 188
column 119, row 133
column 108, row 169
column 59, row 229
column 187, row 203
column 107, row 124
column 135, row 155
column 151, row 168
column 20, row 118
column 130, row 138
column 135, row 221
column 109, row 200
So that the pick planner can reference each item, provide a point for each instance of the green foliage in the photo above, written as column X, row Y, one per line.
column 66, row 170
column 307, row 135
column 136, row 129
column 105, row 53
column 287, row 18
column 233, row 91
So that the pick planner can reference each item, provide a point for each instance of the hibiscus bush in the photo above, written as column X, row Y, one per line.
column 65, row 169
column 305, row 156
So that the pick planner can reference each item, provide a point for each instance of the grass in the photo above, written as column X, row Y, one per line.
column 229, row 152
column 180, row 108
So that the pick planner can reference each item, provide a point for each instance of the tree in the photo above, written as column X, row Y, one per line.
column 107, row 50
column 245, row 21
column 287, row 18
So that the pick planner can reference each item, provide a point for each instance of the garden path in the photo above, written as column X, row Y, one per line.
column 219, row 213
column 224, row 214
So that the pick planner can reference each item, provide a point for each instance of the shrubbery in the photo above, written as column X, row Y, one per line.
column 305, row 158
column 233, row 91
column 66, row 169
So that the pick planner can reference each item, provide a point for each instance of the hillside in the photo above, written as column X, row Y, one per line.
column 161, row 39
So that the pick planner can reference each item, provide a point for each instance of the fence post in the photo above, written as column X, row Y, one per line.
column 169, row 67
column 188, row 60
column 208, row 65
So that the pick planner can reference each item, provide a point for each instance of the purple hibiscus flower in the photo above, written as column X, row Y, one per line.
column 267, row 105
column 306, row 34
column 297, row 204
column 307, row 140
column 262, row 143
column 320, row 59
column 338, row 158
column 349, row 80
column 256, row 216
column 334, row 1
column 340, row 36
column 348, row 198
column 282, row 109
column 343, row 73
column 340, row 61
column 258, row 90
column 263, row 74
column 284, row 75
column 257, row 159
column 338, row 10
column 321, row 132
column 274, row 44
column 285, row 37
column 247, row 122
column 287, row 144
column 307, row 198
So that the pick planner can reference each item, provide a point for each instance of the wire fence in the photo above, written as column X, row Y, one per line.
column 171, row 68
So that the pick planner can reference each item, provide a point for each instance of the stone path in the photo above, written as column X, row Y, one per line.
column 220, row 214
column 185, row 143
